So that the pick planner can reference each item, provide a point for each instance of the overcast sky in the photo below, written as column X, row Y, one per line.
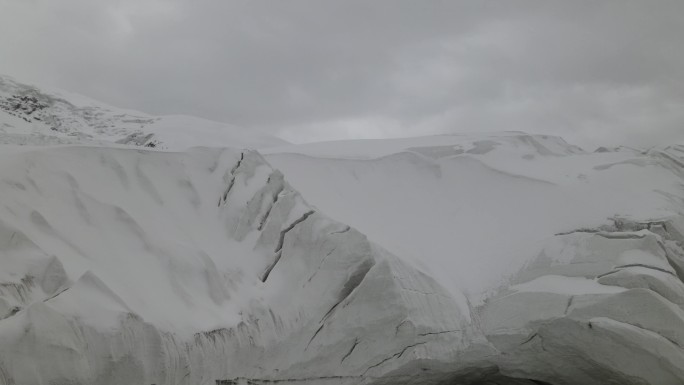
column 595, row 72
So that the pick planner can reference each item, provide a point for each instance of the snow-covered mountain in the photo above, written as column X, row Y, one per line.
column 464, row 259
column 31, row 115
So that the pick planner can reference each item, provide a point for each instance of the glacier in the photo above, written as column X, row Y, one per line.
column 502, row 258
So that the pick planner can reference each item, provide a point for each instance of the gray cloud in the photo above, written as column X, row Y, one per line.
column 594, row 72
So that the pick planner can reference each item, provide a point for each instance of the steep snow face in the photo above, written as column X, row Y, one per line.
column 122, row 266
column 468, row 210
column 31, row 116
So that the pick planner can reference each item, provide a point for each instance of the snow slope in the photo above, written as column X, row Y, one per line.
column 574, row 260
column 130, row 266
column 123, row 266
column 505, row 258
column 29, row 115
column 446, row 202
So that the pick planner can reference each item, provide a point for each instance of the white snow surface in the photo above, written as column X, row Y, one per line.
column 188, row 267
column 502, row 258
column 470, row 218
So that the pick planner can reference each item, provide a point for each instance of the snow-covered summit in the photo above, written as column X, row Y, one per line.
column 34, row 116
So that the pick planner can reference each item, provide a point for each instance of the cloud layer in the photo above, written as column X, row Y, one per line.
column 596, row 73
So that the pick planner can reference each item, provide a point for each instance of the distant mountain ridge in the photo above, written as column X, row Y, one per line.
column 30, row 115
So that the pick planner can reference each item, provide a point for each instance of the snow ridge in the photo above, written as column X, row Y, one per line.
column 32, row 116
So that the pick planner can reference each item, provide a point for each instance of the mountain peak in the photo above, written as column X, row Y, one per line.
column 33, row 116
